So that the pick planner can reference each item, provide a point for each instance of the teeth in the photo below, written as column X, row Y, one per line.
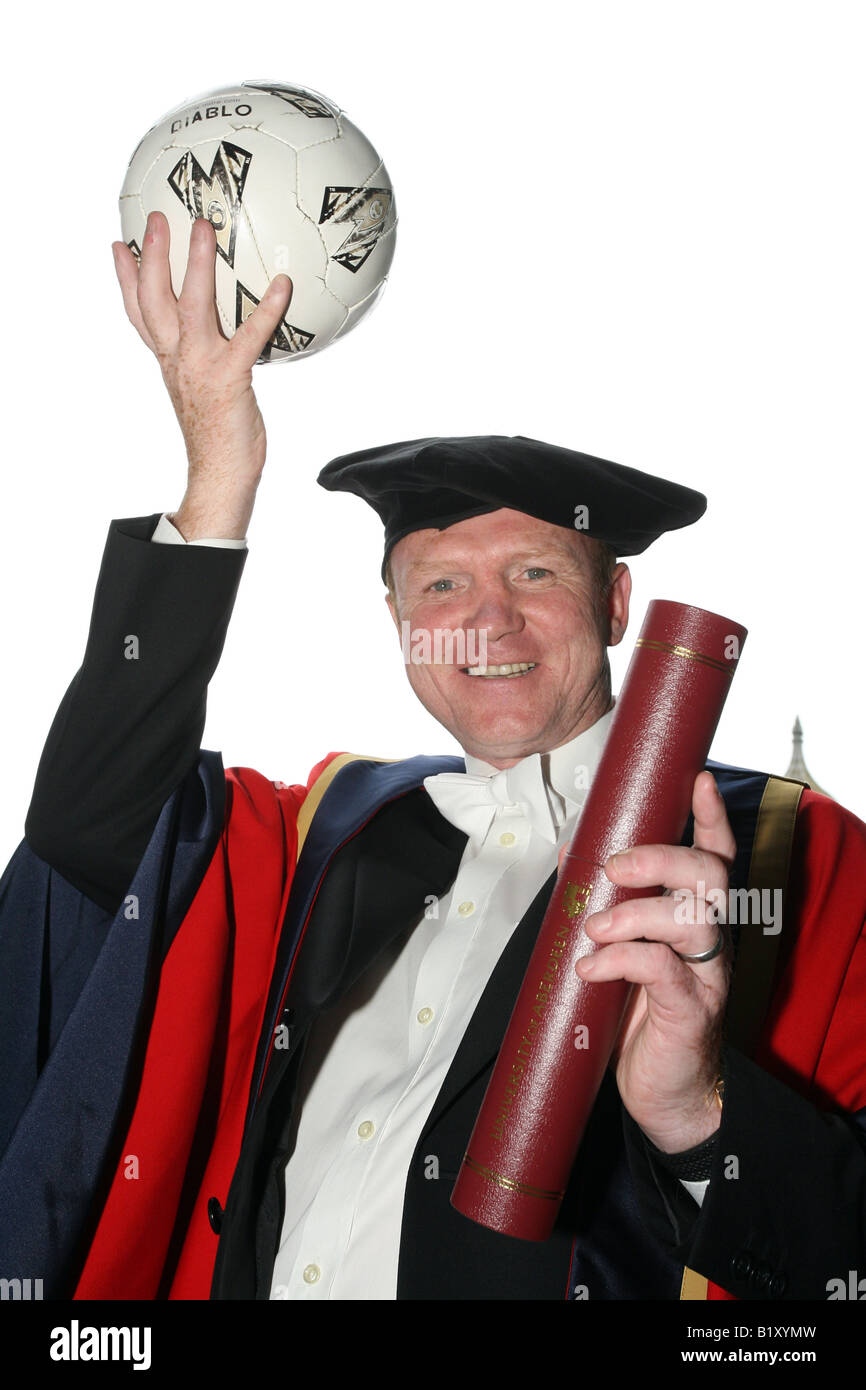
column 515, row 668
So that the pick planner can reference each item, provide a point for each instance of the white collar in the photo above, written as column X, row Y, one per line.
column 551, row 787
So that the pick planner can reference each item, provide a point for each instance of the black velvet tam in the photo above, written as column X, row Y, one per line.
column 425, row 483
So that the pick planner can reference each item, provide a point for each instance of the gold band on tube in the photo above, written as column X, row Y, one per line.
column 727, row 666
column 511, row 1184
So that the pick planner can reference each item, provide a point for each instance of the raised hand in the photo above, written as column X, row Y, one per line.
column 208, row 376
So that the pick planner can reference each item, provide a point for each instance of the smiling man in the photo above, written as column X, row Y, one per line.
column 532, row 589
column 279, row 1005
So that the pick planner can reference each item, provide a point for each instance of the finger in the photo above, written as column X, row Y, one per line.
column 126, row 268
column 667, row 866
column 155, row 295
column 196, row 305
column 671, row 984
column 712, row 828
column 684, row 922
column 255, row 332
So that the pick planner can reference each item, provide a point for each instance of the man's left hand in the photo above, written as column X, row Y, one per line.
column 668, row 1053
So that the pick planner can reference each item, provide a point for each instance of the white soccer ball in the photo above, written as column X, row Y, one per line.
column 289, row 185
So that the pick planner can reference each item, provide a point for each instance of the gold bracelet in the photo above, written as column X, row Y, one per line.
column 716, row 1093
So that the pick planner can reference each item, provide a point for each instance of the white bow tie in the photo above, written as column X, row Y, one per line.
column 471, row 802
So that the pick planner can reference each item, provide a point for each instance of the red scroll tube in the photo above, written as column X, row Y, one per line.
column 563, row 1029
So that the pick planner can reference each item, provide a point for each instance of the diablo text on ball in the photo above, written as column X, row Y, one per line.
column 289, row 186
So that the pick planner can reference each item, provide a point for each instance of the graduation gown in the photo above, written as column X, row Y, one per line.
column 147, row 1125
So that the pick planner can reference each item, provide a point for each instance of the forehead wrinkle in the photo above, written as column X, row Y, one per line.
column 423, row 566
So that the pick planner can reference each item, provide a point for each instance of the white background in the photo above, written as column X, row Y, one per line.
column 632, row 228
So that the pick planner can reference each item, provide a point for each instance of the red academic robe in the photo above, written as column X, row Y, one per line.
column 210, row 1006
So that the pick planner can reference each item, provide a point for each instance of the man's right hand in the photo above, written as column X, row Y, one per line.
column 208, row 376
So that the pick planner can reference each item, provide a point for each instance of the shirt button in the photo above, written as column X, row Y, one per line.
column 507, row 838
column 425, row 1015
column 366, row 1130
column 466, row 909
column 312, row 1274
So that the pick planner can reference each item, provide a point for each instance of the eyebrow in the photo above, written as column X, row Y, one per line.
column 423, row 567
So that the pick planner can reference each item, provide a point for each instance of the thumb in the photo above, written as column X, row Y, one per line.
column 712, row 828
column 261, row 325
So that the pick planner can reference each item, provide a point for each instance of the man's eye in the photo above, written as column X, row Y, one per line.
column 441, row 586
column 537, row 572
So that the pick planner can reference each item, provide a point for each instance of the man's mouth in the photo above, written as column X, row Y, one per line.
column 515, row 668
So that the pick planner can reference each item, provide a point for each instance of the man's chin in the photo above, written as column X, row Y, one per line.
column 503, row 741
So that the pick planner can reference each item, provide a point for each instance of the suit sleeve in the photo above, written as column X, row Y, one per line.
column 785, row 1210
column 129, row 727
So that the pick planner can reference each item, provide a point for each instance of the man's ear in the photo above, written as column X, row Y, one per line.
column 617, row 603
column 392, row 609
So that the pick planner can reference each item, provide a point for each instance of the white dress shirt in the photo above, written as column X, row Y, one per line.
column 375, row 1063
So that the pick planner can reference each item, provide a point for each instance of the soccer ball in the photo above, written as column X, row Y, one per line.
column 289, row 185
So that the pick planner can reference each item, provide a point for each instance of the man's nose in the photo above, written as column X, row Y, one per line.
column 497, row 612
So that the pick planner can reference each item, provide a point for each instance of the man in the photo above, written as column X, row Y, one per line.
column 224, row 1147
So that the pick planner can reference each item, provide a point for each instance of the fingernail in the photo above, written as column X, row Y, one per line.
column 586, row 965
column 601, row 921
column 623, row 862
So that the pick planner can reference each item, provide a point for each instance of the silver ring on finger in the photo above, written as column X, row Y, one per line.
column 703, row 956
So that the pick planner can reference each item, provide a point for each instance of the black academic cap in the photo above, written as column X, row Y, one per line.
column 423, row 483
